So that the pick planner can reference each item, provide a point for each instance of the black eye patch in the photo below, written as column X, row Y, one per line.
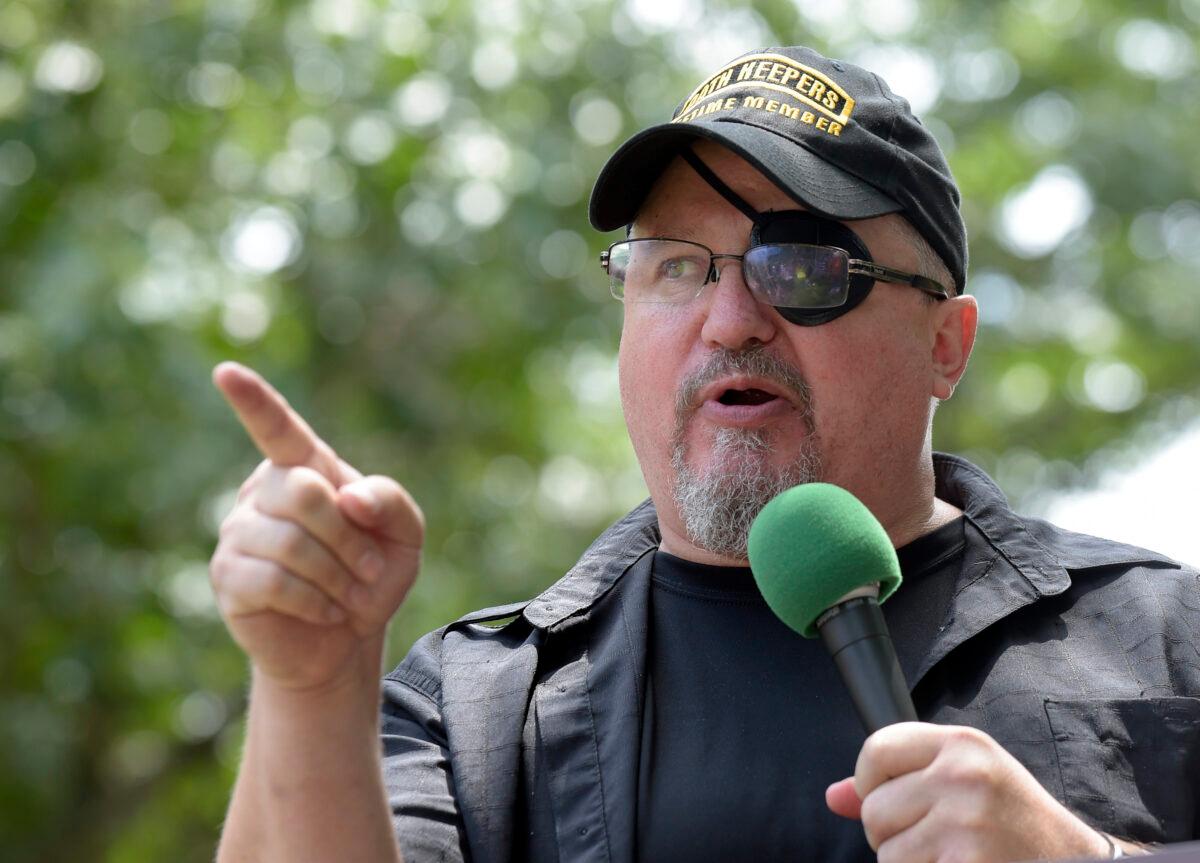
column 801, row 226
column 797, row 226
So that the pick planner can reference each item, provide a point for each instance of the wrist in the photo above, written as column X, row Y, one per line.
column 353, row 692
column 1119, row 849
column 1113, row 851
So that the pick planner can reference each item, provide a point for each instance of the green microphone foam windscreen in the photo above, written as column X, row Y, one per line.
column 812, row 545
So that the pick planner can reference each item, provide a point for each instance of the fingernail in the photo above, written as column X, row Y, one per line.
column 335, row 614
column 370, row 567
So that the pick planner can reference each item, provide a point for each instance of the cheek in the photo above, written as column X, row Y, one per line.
column 649, row 358
column 869, row 387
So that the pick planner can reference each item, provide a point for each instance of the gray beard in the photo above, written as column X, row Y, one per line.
column 718, row 506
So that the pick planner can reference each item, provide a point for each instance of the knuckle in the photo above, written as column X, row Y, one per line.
column 274, row 584
column 388, row 489
column 871, row 750
column 254, row 480
column 217, row 571
column 963, row 772
column 964, row 735
column 975, row 819
column 292, row 541
column 232, row 523
column 307, row 489
column 872, row 812
column 891, row 852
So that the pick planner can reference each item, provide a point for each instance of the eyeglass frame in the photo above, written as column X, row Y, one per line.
column 855, row 266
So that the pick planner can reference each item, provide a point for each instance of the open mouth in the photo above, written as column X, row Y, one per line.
column 749, row 396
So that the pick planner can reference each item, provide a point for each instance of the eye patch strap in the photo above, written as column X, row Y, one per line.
column 713, row 180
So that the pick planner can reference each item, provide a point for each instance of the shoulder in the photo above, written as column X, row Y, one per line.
column 476, row 638
column 1148, row 597
column 479, row 643
column 1081, row 551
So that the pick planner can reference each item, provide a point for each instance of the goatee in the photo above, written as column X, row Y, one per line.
column 718, row 506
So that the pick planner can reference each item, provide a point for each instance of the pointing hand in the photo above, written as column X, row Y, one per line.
column 315, row 558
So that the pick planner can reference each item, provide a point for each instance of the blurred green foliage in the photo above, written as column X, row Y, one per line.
column 381, row 206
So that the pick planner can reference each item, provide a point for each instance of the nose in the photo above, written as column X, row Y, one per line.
column 734, row 319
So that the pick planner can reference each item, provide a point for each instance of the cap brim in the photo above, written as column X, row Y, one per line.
column 824, row 188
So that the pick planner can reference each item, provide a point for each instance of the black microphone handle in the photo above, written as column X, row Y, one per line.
column 857, row 639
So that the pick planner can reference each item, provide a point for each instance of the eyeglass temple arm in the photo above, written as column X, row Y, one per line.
column 899, row 277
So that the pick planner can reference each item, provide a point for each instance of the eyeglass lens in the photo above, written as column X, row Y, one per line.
column 784, row 275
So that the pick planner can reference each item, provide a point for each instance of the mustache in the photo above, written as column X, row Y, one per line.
column 754, row 362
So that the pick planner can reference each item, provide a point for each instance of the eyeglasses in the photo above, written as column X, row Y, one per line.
column 804, row 282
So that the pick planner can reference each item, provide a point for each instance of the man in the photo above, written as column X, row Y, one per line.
column 792, row 280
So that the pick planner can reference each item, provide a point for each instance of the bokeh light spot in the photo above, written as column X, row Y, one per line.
column 480, row 203
column 200, row 715
column 18, row 26
column 215, row 85
column 370, row 138
column 508, row 481
column 977, row 76
column 658, row 16
column 1049, row 119
column 12, row 90
column 423, row 222
column 1113, row 386
column 348, row 18
column 597, row 120
column 1024, row 389
column 1035, row 219
column 494, row 64
column 310, row 136
column 563, row 254
column 888, row 18
column 1153, row 49
column 405, row 33
column 17, row 163
column 423, row 100
column 68, row 67
column 910, row 72
column 1181, row 231
column 261, row 242
column 150, row 132
column 245, row 316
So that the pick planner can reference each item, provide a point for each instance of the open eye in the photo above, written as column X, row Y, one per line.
column 677, row 268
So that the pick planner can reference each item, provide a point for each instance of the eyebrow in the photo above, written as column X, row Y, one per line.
column 681, row 233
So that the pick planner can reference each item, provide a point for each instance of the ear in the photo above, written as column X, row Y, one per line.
column 952, row 325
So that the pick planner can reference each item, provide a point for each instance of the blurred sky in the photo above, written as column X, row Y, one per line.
column 1151, row 504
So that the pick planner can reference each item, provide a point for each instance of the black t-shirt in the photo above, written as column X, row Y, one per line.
column 746, row 723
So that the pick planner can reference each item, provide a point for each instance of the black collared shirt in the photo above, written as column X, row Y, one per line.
column 513, row 733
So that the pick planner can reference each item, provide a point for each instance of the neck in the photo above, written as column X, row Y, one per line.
column 921, row 514
column 676, row 542
column 938, row 513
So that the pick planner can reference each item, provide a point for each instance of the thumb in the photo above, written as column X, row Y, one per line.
column 842, row 799
column 383, row 506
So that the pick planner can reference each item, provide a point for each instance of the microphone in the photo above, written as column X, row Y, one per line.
column 824, row 563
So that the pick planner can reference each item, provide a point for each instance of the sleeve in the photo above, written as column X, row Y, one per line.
column 417, row 773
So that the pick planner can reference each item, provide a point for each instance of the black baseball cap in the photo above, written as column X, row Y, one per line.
column 831, row 134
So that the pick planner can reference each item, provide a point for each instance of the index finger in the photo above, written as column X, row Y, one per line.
column 280, row 433
column 894, row 751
